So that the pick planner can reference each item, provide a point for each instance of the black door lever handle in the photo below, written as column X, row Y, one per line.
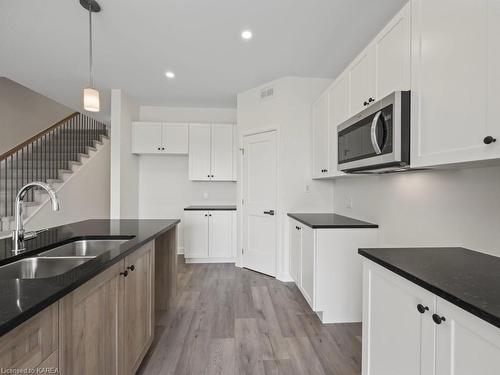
column 270, row 212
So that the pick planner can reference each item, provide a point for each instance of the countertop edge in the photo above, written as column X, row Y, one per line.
column 212, row 208
column 35, row 309
column 352, row 226
column 472, row 309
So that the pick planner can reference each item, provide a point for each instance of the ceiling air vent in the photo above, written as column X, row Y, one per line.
column 267, row 93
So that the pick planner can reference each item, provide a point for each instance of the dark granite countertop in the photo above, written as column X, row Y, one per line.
column 20, row 299
column 227, row 207
column 466, row 278
column 330, row 220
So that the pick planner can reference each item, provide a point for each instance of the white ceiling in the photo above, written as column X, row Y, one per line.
column 44, row 45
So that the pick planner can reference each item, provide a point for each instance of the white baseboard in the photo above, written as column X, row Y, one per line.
column 210, row 260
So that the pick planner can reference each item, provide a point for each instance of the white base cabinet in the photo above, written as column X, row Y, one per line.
column 209, row 236
column 326, row 268
column 399, row 339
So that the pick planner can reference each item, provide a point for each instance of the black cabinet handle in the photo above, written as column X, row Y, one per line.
column 210, row 215
column 131, row 268
column 208, row 175
column 421, row 308
column 206, row 215
column 296, row 227
column 163, row 148
column 270, row 212
column 488, row 140
column 365, row 103
column 159, row 148
column 438, row 319
column 125, row 273
column 212, row 175
column 371, row 100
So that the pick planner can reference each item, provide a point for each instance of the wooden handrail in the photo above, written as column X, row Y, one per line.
column 37, row 136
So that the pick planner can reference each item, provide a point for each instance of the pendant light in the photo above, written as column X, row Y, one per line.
column 90, row 94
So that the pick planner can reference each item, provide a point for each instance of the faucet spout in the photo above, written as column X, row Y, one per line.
column 18, row 235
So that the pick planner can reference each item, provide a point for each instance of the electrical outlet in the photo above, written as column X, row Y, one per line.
column 308, row 188
column 205, row 195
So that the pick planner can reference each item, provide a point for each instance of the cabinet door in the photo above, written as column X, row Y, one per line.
column 90, row 326
column 339, row 112
column 196, row 234
column 455, row 81
column 138, row 319
column 320, row 136
column 465, row 344
column 174, row 138
column 222, row 152
column 308, row 264
column 199, row 152
column 295, row 252
column 146, row 137
column 362, row 80
column 220, row 234
column 392, row 49
column 397, row 338
column 32, row 346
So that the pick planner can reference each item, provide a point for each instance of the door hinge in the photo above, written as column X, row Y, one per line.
column 242, row 251
column 242, row 201
column 242, row 151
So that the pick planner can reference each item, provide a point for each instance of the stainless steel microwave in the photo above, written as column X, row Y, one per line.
column 377, row 140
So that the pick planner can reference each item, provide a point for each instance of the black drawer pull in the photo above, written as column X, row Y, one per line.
column 438, row 319
column 421, row 308
column 131, row 268
column 125, row 273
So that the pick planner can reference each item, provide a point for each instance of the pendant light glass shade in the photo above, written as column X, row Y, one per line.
column 91, row 100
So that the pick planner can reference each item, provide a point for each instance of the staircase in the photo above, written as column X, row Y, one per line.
column 51, row 156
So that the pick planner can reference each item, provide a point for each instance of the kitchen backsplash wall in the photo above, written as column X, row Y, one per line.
column 434, row 208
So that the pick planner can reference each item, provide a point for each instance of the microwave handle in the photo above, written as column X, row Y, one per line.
column 375, row 145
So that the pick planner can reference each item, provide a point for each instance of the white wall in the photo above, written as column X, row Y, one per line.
column 124, row 164
column 24, row 113
column 164, row 186
column 429, row 208
column 84, row 196
column 289, row 111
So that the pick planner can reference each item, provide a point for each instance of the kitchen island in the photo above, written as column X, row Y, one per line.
column 97, row 317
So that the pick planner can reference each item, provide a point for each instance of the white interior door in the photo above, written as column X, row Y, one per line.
column 259, row 193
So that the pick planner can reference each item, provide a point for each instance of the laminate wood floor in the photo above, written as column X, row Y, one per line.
column 229, row 321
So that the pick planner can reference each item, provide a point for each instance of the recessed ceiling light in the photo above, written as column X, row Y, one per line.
column 170, row 75
column 246, row 34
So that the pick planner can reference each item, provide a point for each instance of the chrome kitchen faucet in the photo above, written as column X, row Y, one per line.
column 19, row 235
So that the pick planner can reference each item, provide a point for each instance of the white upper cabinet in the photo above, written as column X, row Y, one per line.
column 174, row 138
column 455, row 81
column 393, row 56
column 321, row 156
column 211, row 152
column 338, row 99
column 159, row 138
column 222, row 152
column 146, row 137
column 362, row 80
column 199, row 152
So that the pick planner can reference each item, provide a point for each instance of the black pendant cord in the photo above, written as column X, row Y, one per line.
column 90, row 46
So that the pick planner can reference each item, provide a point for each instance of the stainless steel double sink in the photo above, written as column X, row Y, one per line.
column 58, row 260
